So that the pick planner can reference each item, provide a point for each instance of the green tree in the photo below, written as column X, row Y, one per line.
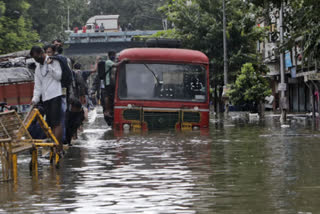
column 16, row 31
column 49, row 18
column 306, row 24
column 250, row 87
column 142, row 14
column 199, row 26
column 2, row 8
column 301, row 21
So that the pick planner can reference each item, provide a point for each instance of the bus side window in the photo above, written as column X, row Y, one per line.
column 123, row 89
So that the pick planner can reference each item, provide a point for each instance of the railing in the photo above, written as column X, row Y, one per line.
column 103, row 37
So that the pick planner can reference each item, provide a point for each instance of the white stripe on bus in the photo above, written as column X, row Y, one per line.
column 161, row 109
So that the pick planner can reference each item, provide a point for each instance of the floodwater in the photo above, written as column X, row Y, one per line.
column 236, row 167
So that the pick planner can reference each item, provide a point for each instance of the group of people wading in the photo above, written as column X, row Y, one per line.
column 61, row 92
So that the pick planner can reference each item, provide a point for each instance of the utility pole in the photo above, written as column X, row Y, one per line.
column 68, row 18
column 283, row 100
column 225, row 59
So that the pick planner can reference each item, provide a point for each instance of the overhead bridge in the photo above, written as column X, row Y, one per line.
column 102, row 42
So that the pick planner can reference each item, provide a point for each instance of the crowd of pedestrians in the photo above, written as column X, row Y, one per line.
column 100, row 28
column 62, row 94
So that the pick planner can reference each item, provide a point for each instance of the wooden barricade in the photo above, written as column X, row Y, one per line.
column 15, row 138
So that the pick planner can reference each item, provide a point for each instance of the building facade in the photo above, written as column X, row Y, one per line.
column 301, row 72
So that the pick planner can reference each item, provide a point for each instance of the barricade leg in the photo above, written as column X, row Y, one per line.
column 57, row 159
column 34, row 160
column 14, row 162
column 54, row 157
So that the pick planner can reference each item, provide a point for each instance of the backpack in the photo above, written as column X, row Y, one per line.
column 66, row 77
column 102, row 73
column 102, row 69
column 80, row 86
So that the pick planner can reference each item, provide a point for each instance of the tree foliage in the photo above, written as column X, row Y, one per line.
column 306, row 23
column 301, row 21
column 142, row 14
column 199, row 26
column 16, row 31
column 50, row 17
column 250, row 87
column 23, row 21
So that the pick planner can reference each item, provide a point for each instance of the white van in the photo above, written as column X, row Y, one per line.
column 109, row 22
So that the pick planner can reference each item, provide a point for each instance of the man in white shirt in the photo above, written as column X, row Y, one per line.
column 47, row 86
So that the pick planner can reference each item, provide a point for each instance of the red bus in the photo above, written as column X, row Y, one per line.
column 162, row 88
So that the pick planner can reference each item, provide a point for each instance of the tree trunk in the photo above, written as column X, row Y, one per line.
column 215, row 101
column 221, row 103
column 261, row 109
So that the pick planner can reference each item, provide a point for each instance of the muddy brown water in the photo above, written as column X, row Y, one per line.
column 236, row 167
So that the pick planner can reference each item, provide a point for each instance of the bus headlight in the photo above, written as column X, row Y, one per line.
column 195, row 128
column 126, row 127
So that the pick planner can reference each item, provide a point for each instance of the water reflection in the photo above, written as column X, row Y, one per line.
column 237, row 167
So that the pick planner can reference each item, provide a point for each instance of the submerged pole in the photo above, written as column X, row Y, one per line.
column 225, row 59
column 283, row 100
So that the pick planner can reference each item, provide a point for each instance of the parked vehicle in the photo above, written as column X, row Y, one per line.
column 16, row 87
column 110, row 23
column 162, row 88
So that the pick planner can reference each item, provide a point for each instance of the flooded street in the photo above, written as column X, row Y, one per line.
column 237, row 167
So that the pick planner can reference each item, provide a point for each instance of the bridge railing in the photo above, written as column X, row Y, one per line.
column 102, row 37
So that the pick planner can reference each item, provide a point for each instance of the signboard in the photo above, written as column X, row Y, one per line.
column 315, row 76
column 282, row 87
column 288, row 60
column 284, row 103
column 302, row 74
column 293, row 72
column 225, row 92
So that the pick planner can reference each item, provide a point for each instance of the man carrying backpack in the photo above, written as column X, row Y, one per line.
column 66, row 81
column 47, row 84
column 106, row 85
column 66, row 78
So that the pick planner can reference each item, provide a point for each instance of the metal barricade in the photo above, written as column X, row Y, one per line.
column 15, row 139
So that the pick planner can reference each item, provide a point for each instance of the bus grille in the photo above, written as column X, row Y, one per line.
column 131, row 114
column 161, row 120
column 191, row 117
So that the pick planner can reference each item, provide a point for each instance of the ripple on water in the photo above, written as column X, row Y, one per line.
column 236, row 168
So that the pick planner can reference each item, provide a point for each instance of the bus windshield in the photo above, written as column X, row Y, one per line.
column 176, row 82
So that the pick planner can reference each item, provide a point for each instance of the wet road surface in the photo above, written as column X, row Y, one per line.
column 237, row 167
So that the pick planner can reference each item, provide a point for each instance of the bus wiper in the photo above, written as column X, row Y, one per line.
column 155, row 76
